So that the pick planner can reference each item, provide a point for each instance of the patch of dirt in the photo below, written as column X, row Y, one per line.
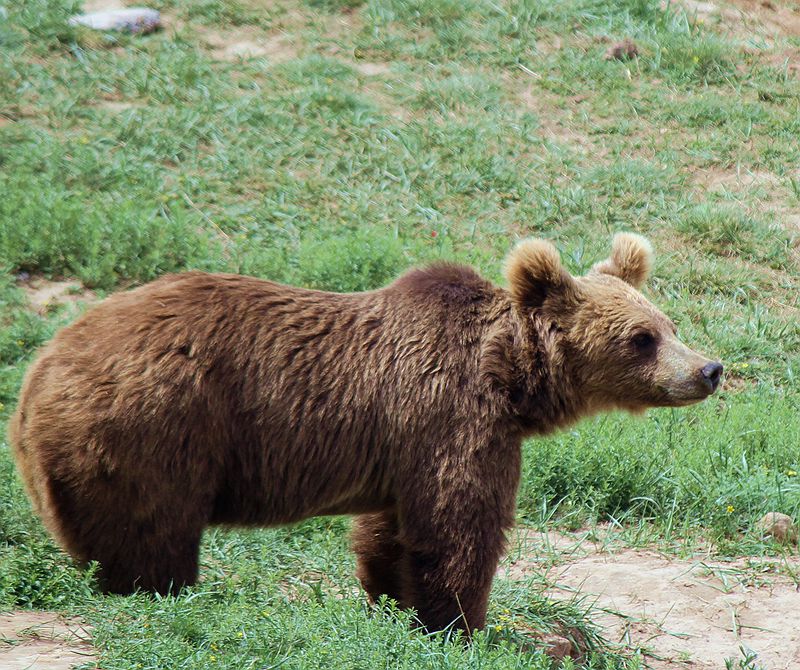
column 733, row 180
column 101, row 5
column 554, row 123
column 788, row 58
column 369, row 69
column 549, row 43
column 342, row 26
column 682, row 613
column 767, row 18
column 283, row 41
column 43, row 641
column 249, row 42
column 45, row 295
column 790, row 219
column 117, row 106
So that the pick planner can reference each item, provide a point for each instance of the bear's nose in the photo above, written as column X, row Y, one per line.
column 711, row 374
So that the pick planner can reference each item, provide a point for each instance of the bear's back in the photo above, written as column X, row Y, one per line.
column 248, row 381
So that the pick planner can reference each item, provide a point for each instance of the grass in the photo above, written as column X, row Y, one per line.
column 389, row 133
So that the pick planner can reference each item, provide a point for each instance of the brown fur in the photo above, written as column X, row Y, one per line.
column 218, row 399
column 631, row 260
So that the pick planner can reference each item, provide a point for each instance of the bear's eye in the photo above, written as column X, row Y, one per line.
column 643, row 342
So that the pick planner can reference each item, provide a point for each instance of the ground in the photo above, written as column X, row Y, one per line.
column 333, row 143
column 689, row 612
column 43, row 641
column 683, row 612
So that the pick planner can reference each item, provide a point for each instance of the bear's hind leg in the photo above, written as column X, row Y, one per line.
column 379, row 554
column 157, row 562
column 152, row 549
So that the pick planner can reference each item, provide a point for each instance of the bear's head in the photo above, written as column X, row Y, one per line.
column 618, row 349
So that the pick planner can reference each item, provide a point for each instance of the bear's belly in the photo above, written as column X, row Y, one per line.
column 227, row 512
column 268, row 494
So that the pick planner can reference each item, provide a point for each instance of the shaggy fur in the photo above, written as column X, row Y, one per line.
column 218, row 399
column 631, row 259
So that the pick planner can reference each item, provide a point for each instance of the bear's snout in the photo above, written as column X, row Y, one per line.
column 712, row 373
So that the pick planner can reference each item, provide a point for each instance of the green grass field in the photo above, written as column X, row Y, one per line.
column 333, row 143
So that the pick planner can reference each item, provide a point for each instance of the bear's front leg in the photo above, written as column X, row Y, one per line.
column 446, row 594
column 452, row 548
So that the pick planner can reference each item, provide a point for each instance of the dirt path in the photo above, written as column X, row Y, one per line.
column 42, row 641
column 682, row 613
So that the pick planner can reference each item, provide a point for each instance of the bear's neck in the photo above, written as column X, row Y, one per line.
column 547, row 393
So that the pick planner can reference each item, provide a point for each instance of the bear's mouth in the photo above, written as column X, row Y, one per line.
column 671, row 398
column 683, row 402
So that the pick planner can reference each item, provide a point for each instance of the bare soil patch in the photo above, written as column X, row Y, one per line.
column 43, row 641
column 764, row 188
column 556, row 125
column 791, row 220
column 117, row 106
column 44, row 294
column 249, row 42
column 369, row 69
column 691, row 613
column 101, row 5
column 767, row 18
column 735, row 179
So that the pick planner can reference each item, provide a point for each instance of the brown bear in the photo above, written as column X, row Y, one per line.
column 206, row 399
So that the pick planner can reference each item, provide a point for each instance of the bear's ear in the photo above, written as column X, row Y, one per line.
column 534, row 273
column 631, row 259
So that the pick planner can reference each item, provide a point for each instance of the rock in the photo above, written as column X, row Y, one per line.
column 625, row 50
column 563, row 642
column 133, row 20
column 557, row 647
column 778, row 526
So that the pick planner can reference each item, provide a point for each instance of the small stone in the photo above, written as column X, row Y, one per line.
column 625, row 50
column 139, row 20
column 778, row 526
column 557, row 647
